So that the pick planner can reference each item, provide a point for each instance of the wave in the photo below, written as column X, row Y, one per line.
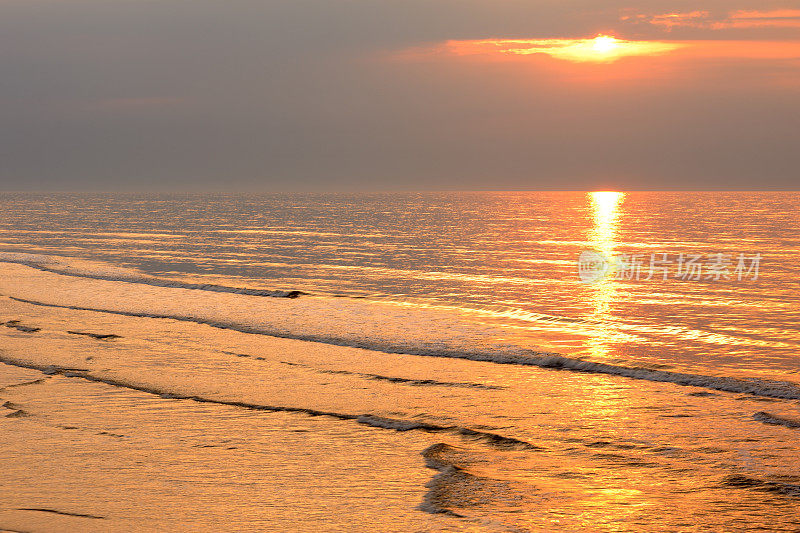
column 107, row 273
column 15, row 324
column 754, row 386
column 398, row 425
column 455, row 490
column 740, row 481
column 442, row 455
column 63, row 513
column 776, row 420
column 367, row 325
column 492, row 440
column 390, row 379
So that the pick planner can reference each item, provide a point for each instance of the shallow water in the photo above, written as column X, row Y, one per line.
column 452, row 328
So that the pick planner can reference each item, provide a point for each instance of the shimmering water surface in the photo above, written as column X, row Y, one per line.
column 508, row 258
column 455, row 325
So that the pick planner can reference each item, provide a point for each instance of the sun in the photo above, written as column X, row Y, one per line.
column 603, row 44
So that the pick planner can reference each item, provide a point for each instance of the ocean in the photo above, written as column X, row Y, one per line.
column 525, row 361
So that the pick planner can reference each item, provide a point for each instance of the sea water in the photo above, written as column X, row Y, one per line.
column 440, row 354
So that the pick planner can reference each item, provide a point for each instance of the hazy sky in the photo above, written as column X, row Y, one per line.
column 276, row 95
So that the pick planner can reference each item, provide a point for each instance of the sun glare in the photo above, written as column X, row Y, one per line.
column 604, row 44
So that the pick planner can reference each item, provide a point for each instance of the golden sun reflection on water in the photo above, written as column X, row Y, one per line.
column 605, row 208
column 603, row 238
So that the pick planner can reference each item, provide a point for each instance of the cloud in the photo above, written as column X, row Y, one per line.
column 786, row 18
column 779, row 18
column 694, row 19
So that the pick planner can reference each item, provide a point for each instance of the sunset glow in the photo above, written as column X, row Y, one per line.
column 600, row 49
column 604, row 44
